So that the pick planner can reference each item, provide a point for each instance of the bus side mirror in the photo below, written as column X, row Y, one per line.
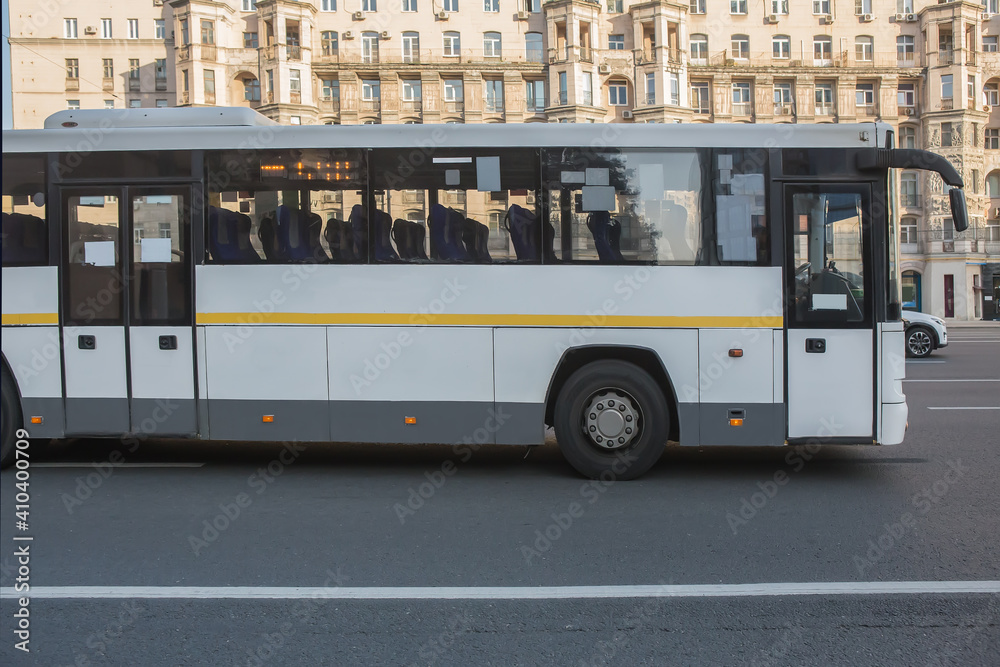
column 959, row 209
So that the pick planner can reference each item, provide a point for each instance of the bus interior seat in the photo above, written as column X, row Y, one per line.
column 384, row 252
column 522, row 226
column 409, row 237
column 606, row 237
column 359, row 228
column 266, row 234
column 476, row 237
column 340, row 238
column 446, row 235
column 294, row 235
column 229, row 236
column 24, row 239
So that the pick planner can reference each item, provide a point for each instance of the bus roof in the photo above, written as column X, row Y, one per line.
column 228, row 128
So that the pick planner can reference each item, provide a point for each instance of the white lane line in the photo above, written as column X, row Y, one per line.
column 956, row 380
column 923, row 361
column 507, row 592
column 973, row 407
column 43, row 464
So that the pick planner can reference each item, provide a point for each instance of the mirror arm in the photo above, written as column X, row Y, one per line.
column 909, row 158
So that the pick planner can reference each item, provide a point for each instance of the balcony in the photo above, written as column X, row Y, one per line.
column 586, row 54
column 947, row 103
column 454, row 106
column 331, row 104
column 134, row 84
column 108, row 83
column 784, row 109
column 350, row 57
column 866, row 110
column 742, row 108
column 72, row 83
column 824, row 111
column 371, row 105
column 294, row 52
column 411, row 106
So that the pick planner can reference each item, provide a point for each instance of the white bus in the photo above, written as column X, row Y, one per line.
column 206, row 273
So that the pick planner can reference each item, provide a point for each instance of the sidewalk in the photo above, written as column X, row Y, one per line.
column 972, row 324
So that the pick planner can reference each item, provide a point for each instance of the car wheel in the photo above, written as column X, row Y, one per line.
column 919, row 342
column 611, row 420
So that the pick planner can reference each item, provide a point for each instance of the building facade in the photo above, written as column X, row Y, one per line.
column 930, row 69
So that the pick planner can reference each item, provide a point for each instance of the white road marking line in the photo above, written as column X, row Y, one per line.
column 974, row 340
column 506, row 592
column 43, row 464
column 924, row 361
column 957, row 380
column 974, row 407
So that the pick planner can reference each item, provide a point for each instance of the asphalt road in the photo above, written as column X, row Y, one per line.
column 352, row 516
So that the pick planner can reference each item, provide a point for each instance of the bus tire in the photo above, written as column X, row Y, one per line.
column 612, row 420
column 10, row 419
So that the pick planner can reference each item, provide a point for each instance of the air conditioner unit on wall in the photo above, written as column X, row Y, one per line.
column 347, row 34
column 604, row 69
column 899, row 18
column 771, row 18
column 826, row 19
column 867, row 18
column 987, row 108
column 908, row 111
column 90, row 30
column 911, row 18
column 442, row 16
column 522, row 16
column 358, row 16
column 386, row 35
column 626, row 114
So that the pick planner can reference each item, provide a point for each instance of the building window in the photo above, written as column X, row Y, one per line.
column 72, row 104
column 493, row 102
column 491, row 6
column 411, row 47
column 700, row 97
column 618, row 94
column 371, row 90
column 993, row 185
column 133, row 28
column 133, row 69
column 993, row 230
column 862, row 7
column 947, row 134
column 991, row 94
column 975, row 135
column 160, row 67
column 779, row 6
column 409, row 5
column 992, row 140
column 106, row 32
column 906, row 96
column 741, row 47
column 864, row 49
column 737, row 6
column 781, row 47
column 563, row 90
column 330, row 89
column 210, row 86
column 904, row 6
column 208, row 32
column 783, row 99
column 616, row 6
column 673, row 89
column 72, row 68
column 329, row 42
column 250, row 40
column 453, row 90
column 185, row 33
column 588, row 88
column 372, row 5
column 109, row 104
column 411, row 90
column 821, row 6
column 533, row 51
column 990, row 43
column 616, row 42
column 533, row 6
column 294, row 81
column 971, row 89
column 864, row 96
column 975, row 181
column 822, row 51
column 741, row 98
column 251, row 89
column 295, row 120
column 328, row 6
column 908, row 230
column 491, row 45
column 907, row 137
column 904, row 49
column 699, row 48
column 109, row 67
column 184, row 81
column 947, row 87
column 249, row 5
column 824, row 99
column 161, row 104
column 452, row 44
column 535, row 95
column 69, row 28
column 908, row 192
column 135, row 104
column 369, row 47
column 697, row 7
column 449, row 5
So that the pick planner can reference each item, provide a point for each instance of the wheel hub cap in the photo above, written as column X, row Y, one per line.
column 919, row 342
column 611, row 419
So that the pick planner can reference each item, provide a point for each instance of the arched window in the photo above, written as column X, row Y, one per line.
column 741, row 47
column 822, row 50
column 533, row 51
column 993, row 184
column 781, row 47
column 907, row 136
column 491, row 45
column 864, row 49
column 369, row 47
column 991, row 94
column 452, row 43
column 330, row 43
column 699, row 49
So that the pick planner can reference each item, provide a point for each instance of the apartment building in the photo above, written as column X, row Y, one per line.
column 931, row 69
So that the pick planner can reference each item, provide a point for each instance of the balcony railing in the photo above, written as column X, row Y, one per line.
column 947, row 103
column 586, row 54
column 650, row 99
column 703, row 110
column 742, row 108
column 412, row 106
column 824, row 111
column 108, row 83
column 330, row 104
column 371, row 105
column 454, row 106
column 784, row 109
column 754, row 60
column 72, row 83
column 294, row 52
column 349, row 57
column 866, row 110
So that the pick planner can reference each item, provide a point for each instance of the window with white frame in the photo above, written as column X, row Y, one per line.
column 133, row 28
column 697, row 7
column 369, row 5
column 824, row 99
column 616, row 6
column 327, row 6
column 535, row 95
column 453, row 90
column 109, row 104
column 449, row 5
column 992, row 6
column 904, row 6
column 452, row 44
column 992, row 140
column 533, row 6
column 493, row 95
column 106, row 29
column 740, row 47
column 908, row 137
column 587, row 84
column 700, row 92
column 72, row 104
column 369, row 47
column 862, row 7
column 821, row 7
column 864, row 49
column 411, row 47
column 411, row 90
column 135, row 104
column 330, row 89
column 409, row 5
column 371, row 90
column 971, row 89
column 783, row 98
column 159, row 29
column 741, row 98
column 699, row 48
column 779, row 6
column 909, row 195
column 908, row 230
column 673, row 89
column 906, row 95
column 864, row 95
column 905, row 49
column 991, row 94
column 781, row 47
column 69, row 28
column 491, row 45
column 618, row 94
column 737, row 6
column 990, row 43
column 822, row 50
column 491, row 6
column 616, row 42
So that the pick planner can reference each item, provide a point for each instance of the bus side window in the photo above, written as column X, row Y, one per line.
column 286, row 207
column 742, row 236
column 473, row 206
column 621, row 206
column 25, row 226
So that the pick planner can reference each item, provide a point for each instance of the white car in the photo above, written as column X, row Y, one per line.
column 924, row 333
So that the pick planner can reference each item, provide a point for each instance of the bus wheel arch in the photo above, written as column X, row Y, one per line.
column 11, row 420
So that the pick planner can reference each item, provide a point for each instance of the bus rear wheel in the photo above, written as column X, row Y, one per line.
column 10, row 418
column 611, row 420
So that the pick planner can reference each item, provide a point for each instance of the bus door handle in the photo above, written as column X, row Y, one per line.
column 816, row 345
column 168, row 342
column 87, row 342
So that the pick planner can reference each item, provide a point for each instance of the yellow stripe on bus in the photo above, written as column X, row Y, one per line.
column 491, row 320
column 30, row 318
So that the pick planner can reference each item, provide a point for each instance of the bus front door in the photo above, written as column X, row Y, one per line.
column 127, row 321
column 829, row 374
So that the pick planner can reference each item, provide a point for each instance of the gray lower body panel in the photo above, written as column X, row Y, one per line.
column 50, row 410
column 164, row 417
column 97, row 416
column 763, row 424
column 150, row 417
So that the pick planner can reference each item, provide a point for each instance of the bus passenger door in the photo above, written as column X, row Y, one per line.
column 160, row 314
column 829, row 340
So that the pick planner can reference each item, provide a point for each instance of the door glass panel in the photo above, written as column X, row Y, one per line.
column 160, row 291
column 827, row 253
column 93, row 278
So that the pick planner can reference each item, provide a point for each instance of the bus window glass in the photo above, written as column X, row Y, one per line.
column 741, row 231
column 827, row 253
column 97, row 165
column 621, row 206
column 286, row 206
column 160, row 277
column 468, row 206
column 25, row 229
column 93, row 273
